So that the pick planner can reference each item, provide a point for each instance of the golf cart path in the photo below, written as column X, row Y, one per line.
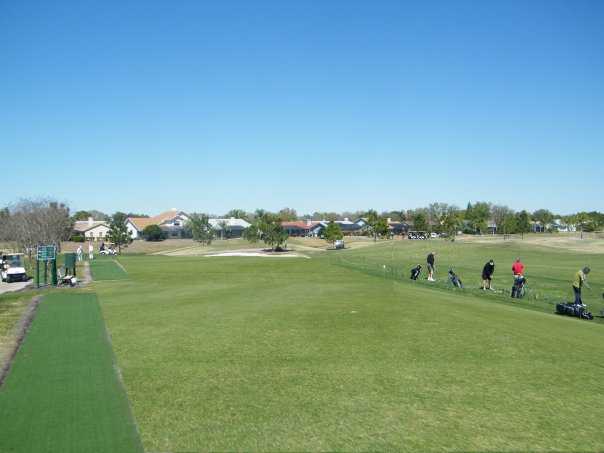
column 15, row 286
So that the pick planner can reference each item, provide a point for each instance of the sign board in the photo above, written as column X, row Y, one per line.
column 46, row 252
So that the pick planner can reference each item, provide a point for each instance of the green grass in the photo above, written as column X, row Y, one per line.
column 12, row 307
column 276, row 354
column 107, row 268
column 62, row 393
column 549, row 271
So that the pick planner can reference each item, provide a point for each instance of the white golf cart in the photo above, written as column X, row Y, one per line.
column 12, row 268
column 108, row 252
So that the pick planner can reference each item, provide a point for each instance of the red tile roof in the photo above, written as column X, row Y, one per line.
column 299, row 224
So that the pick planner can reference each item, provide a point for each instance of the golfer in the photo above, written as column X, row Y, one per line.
column 487, row 275
column 90, row 251
column 430, row 261
column 518, row 268
column 578, row 283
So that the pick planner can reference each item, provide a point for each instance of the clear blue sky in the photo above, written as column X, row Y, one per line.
column 207, row 106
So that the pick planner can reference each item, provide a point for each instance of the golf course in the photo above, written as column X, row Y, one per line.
column 333, row 351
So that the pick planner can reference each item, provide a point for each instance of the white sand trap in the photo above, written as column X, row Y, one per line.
column 260, row 254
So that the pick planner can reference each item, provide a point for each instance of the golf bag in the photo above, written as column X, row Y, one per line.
column 415, row 272
column 575, row 310
column 518, row 289
column 455, row 280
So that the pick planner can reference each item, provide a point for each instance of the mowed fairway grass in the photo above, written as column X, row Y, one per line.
column 107, row 268
column 62, row 393
column 276, row 354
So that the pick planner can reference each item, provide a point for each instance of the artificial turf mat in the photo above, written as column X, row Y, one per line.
column 62, row 393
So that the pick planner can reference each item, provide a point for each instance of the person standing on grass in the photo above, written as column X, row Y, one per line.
column 518, row 271
column 487, row 274
column 79, row 252
column 430, row 261
column 90, row 251
column 578, row 283
column 518, row 268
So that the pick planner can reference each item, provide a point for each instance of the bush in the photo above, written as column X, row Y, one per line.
column 153, row 233
column 78, row 238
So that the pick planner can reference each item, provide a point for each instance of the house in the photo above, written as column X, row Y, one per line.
column 537, row 227
column 229, row 228
column 348, row 228
column 397, row 228
column 491, row 227
column 361, row 222
column 351, row 228
column 172, row 222
column 562, row 227
column 92, row 230
column 302, row 228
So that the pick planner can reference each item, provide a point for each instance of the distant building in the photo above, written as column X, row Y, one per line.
column 92, row 230
column 562, row 227
column 229, row 228
column 398, row 228
column 302, row 228
column 316, row 228
column 491, row 227
column 537, row 227
column 172, row 222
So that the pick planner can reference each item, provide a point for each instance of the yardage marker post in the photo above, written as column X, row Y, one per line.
column 46, row 253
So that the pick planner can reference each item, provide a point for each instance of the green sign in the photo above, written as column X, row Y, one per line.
column 46, row 252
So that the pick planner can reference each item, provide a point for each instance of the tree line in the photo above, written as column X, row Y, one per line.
column 31, row 222
column 476, row 218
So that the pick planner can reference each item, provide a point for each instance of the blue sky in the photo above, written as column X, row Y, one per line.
column 207, row 106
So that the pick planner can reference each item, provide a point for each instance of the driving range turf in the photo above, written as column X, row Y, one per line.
column 106, row 268
column 337, row 352
column 62, row 393
column 223, row 353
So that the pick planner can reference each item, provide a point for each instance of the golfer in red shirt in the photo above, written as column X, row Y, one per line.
column 518, row 268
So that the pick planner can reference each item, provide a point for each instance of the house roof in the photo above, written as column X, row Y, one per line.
column 303, row 225
column 231, row 223
column 141, row 222
column 345, row 225
column 82, row 226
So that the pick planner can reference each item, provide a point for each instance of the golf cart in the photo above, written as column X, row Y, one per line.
column 417, row 235
column 12, row 268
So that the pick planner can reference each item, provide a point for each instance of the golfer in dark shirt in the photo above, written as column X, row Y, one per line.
column 430, row 261
column 487, row 274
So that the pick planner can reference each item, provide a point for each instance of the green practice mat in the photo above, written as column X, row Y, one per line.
column 62, row 393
